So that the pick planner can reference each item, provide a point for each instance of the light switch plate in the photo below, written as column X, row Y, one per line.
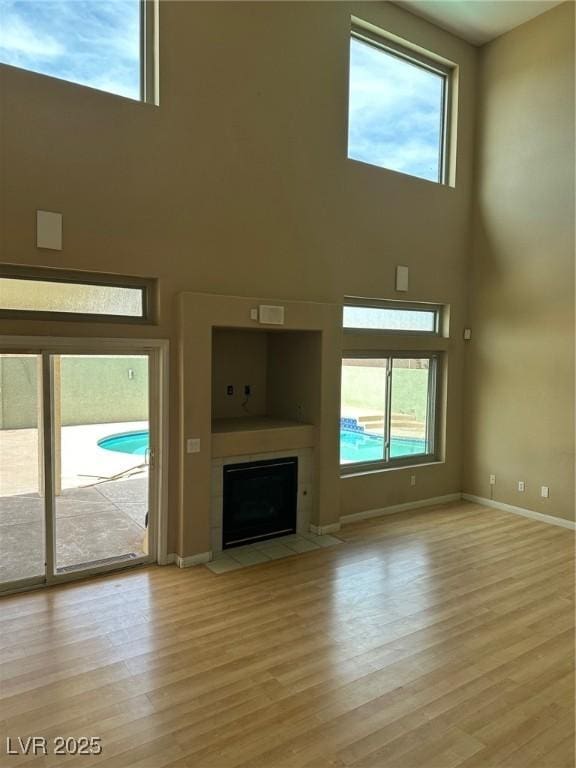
column 193, row 445
column 49, row 230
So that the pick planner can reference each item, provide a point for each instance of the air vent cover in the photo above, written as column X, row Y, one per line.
column 271, row 315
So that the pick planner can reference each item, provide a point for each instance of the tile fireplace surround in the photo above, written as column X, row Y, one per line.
column 304, row 497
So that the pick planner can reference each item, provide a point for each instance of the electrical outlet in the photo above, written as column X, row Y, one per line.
column 247, row 390
column 521, row 486
column 230, row 390
column 412, row 479
column 545, row 492
column 492, row 479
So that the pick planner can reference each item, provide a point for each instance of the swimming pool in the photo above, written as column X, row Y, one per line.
column 354, row 446
column 135, row 443
column 358, row 446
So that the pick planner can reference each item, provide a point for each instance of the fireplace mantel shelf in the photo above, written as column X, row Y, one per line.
column 259, row 434
column 253, row 423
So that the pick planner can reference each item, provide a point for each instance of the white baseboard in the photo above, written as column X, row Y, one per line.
column 550, row 519
column 167, row 559
column 322, row 530
column 393, row 509
column 200, row 559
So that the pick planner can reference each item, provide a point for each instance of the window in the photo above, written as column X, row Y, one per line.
column 388, row 410
column 39, row 293
column 375, row 315
column 105, row 44
column 398, row 107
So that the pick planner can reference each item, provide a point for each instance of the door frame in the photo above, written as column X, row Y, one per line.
column 158, row 351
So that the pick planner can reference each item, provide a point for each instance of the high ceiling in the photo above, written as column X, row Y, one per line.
column 478, row 21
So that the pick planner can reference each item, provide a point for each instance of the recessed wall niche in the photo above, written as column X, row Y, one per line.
column 265, row 375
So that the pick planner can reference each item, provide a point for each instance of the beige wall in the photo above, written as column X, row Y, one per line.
column 93, row 390
column 519, row 417
column 238, row 183
column 239, row 358
column 295, row 374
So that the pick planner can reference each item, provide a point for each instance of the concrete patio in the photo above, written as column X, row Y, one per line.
column 100, row 512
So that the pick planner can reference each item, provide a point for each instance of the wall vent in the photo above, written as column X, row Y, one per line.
column 270, row 315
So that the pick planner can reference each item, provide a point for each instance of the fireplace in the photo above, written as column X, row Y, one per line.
column 260, row 499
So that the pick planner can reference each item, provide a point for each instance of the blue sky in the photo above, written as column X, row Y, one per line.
column 394, row 113
column 92, row 42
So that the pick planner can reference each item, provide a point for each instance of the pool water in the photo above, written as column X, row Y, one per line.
column 354, row 446
column 358, row 446
column 130, row 442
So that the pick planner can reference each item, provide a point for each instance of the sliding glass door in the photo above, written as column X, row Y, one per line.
column 77, row 458
column 101, row 459
column 22, row 509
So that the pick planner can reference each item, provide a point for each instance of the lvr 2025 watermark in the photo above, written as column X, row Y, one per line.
column 59, row 745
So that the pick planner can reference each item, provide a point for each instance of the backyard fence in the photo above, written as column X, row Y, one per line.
column 94, row 390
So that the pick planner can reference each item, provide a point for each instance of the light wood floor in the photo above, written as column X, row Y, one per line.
column 434, row 639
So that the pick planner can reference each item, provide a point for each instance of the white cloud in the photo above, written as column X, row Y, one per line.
column 394, row 112
column 90, row 42
column 17, row 36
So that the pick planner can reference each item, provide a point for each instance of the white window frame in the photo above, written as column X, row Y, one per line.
column 429, row 63
column 411, row 306
column 433, row 411
column 149, row 46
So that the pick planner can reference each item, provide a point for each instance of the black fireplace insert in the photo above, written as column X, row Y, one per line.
column 260, row 499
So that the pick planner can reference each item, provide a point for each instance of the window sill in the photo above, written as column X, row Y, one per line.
column 362, row 472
